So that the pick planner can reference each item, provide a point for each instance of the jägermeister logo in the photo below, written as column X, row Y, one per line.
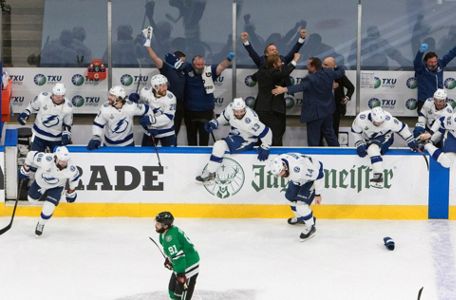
column 229, row 179
column 357, row 178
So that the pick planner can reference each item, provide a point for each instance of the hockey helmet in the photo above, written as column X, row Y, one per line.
column 165, row 218
column 62, row 153
column 378, row 115
column 118, row 91
column 157, row 80
column 277, row 166
column 59, row 89
column 440, row 94
column 238, row 104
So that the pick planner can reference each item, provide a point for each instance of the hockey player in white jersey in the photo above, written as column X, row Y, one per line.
column 246, row 129
column 54, row 118
column 305, row 184
column 432, row 110
column 53, row 170
column 114, row 122
column 158, row 123
column 444, row 127
column 373, row 131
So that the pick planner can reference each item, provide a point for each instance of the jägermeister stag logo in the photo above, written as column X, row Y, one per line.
column 229, row 179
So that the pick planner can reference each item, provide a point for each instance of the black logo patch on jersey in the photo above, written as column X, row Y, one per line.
column 49, row 158
column 296, row 169
column 45, row 93
column 247, row 120
column 72, row 168
column 362, row 117
column 387, row 118
column 396, row 121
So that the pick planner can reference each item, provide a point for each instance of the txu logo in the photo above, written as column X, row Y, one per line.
column 229, row 179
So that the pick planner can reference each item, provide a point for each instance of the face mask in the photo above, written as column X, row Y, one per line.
column 173, row 61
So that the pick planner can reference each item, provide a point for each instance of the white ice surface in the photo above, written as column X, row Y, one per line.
column 112, row 258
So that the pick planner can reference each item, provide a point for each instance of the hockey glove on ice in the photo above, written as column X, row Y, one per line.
column 263, row 153
column 210, row 126
column 22, row 118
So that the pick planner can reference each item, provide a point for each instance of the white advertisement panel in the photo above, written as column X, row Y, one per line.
column 241, row 179
column 394, row 90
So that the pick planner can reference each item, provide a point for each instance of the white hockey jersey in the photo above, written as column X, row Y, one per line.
column 428, row 113
column 116, row 125
column 163, row 109
column 365, row 131
column 444, row 127
column 303, row 169
column 250, row 128
column 50, row 118
column 48, row 175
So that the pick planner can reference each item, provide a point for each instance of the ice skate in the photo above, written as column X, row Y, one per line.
column 308, row 233
column 205, row 177
column 39, row 229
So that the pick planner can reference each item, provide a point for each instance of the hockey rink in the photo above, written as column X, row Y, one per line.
column 112, row 258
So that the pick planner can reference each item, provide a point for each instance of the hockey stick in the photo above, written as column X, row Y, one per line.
column 419, row 292
column 425, row 159
column 158, row 247
column 8, row 227
column 164, row 256
column 156, row 150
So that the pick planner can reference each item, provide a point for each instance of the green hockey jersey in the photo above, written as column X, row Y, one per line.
column 180, row 251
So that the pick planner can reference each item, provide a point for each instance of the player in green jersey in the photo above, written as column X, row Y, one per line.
column 181, row 257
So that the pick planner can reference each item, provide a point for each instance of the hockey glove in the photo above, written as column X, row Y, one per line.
column 361, row 150
column 230, row 56
column 66, row 137
column 22, row 118
column 168, row 264
column 134, row 97
column 424, row 47
column 418, row 131
column 211, row 125
column 147, row 120
column 23, row 174
column 94, row 143
column 182, row 280
column 71, row 196
column 263, row 153
column 413, row 145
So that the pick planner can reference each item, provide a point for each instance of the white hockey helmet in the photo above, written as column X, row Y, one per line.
column 277, row 166
column 238, row 104
column 440, row 94
column 118, row 91
column 59, row 89
column 158, row 80
column 378, row 115
column 62, row 153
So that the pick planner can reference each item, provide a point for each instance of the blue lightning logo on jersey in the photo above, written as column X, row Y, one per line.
column 50, row 120
column 121, row 126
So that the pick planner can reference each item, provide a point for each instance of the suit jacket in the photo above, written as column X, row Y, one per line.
column 267, row 79
column 318, row 97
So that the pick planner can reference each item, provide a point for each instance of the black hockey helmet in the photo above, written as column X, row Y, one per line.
column 165, row 218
